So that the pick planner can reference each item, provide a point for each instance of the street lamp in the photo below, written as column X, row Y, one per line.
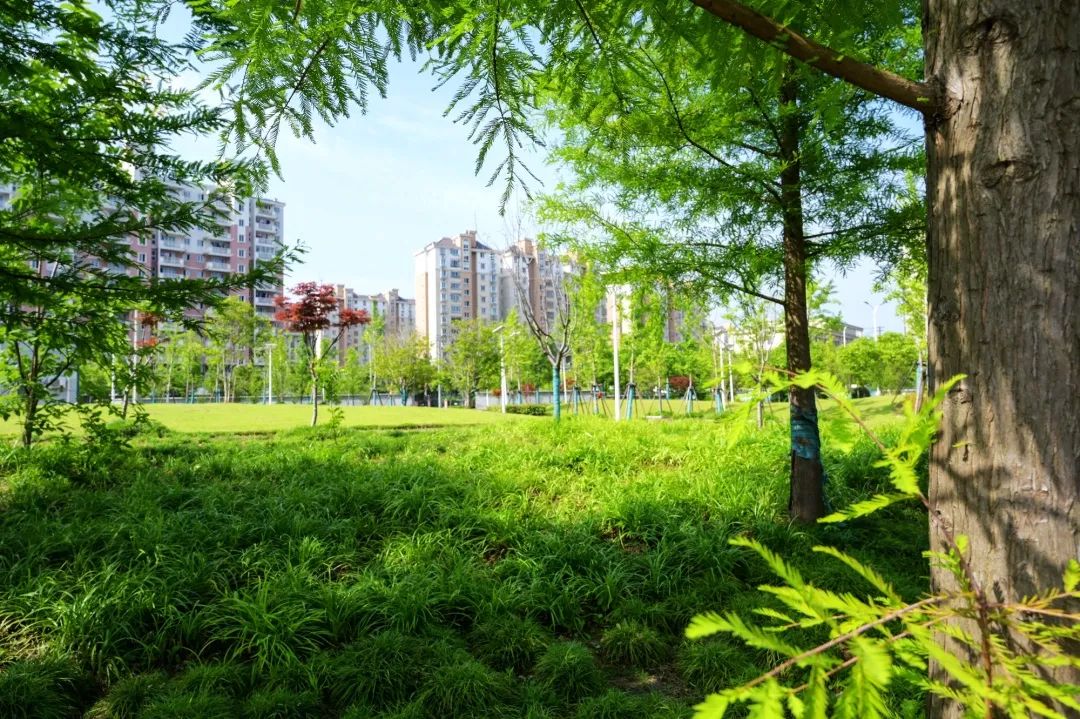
column 502, row 367
column 875, row 308
column 269, row 373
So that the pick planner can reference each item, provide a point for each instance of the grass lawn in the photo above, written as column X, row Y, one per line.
column 262, row 418
column 247, row 418
column 507, row 569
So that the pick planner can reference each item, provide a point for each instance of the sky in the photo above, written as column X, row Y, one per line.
column 374, row 189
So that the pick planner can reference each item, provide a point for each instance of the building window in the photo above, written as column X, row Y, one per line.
column 241, row 221
column 241, row 254
column 241, row 268
column 142, row 257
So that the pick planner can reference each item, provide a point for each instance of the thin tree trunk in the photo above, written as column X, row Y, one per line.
column 1003, row 186
column 29, row 419
column 807, row 500
column 314, row 394
column 556, row 395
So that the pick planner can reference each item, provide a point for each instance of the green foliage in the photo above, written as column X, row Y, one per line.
column 404, row 363
column 472, row 359
column 43, row 688
column 533, row 410
column 843, row 653
column 90, row 114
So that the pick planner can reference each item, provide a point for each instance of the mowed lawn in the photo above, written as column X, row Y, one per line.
column 258, row 418
column 246, row 418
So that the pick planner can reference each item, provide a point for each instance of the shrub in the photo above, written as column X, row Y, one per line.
column 533, row 410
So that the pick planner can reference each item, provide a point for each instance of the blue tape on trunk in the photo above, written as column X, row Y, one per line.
column 805, row 438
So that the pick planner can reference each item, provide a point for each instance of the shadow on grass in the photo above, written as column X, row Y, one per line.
column 540, row 572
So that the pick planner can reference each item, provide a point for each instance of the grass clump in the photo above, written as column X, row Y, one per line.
column 44, row 688
column 568, row 667
column 633, row 644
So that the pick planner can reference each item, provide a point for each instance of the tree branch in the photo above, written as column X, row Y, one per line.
column 916, row 95
column 701, row 148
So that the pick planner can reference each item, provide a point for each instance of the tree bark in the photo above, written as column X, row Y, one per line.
column 1004, row 290
column 807, row 499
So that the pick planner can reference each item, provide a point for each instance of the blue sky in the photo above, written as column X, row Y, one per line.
column 375, row 188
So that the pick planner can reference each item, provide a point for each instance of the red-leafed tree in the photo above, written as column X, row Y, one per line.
column 314, row 314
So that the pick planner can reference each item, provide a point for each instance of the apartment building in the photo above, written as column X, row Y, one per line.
column 244, row 232
column 263, row 224
column 398, row 314
column 529, row 274
column 618, row 303
column 457, row 278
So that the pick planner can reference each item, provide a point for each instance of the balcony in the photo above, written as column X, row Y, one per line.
column 218, row 266
column 172, row 244
column 171, row 260
column 218, row 251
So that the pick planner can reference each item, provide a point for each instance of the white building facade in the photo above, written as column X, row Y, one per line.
column 457, row 278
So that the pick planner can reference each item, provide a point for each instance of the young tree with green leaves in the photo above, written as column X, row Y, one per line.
column 525, row 363
column 552, row 331
column 405, row 364
column 472, row 358
column 235, row 332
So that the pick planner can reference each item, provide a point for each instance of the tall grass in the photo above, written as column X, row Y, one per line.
column 517, row 570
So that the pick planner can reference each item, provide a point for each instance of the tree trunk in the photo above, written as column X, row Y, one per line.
column 807, row 499
column 29, row 419
column 314, row 394
column 556, row 395
column 1003, row 186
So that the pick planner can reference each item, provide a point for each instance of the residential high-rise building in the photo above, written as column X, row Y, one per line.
column 398, row 315
column 457, row 278
column 532, row 275
column 244, row 232
column 265, row 233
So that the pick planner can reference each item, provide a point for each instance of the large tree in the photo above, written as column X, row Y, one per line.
column 88, row 115
column 998, row 99
column 726, row 167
